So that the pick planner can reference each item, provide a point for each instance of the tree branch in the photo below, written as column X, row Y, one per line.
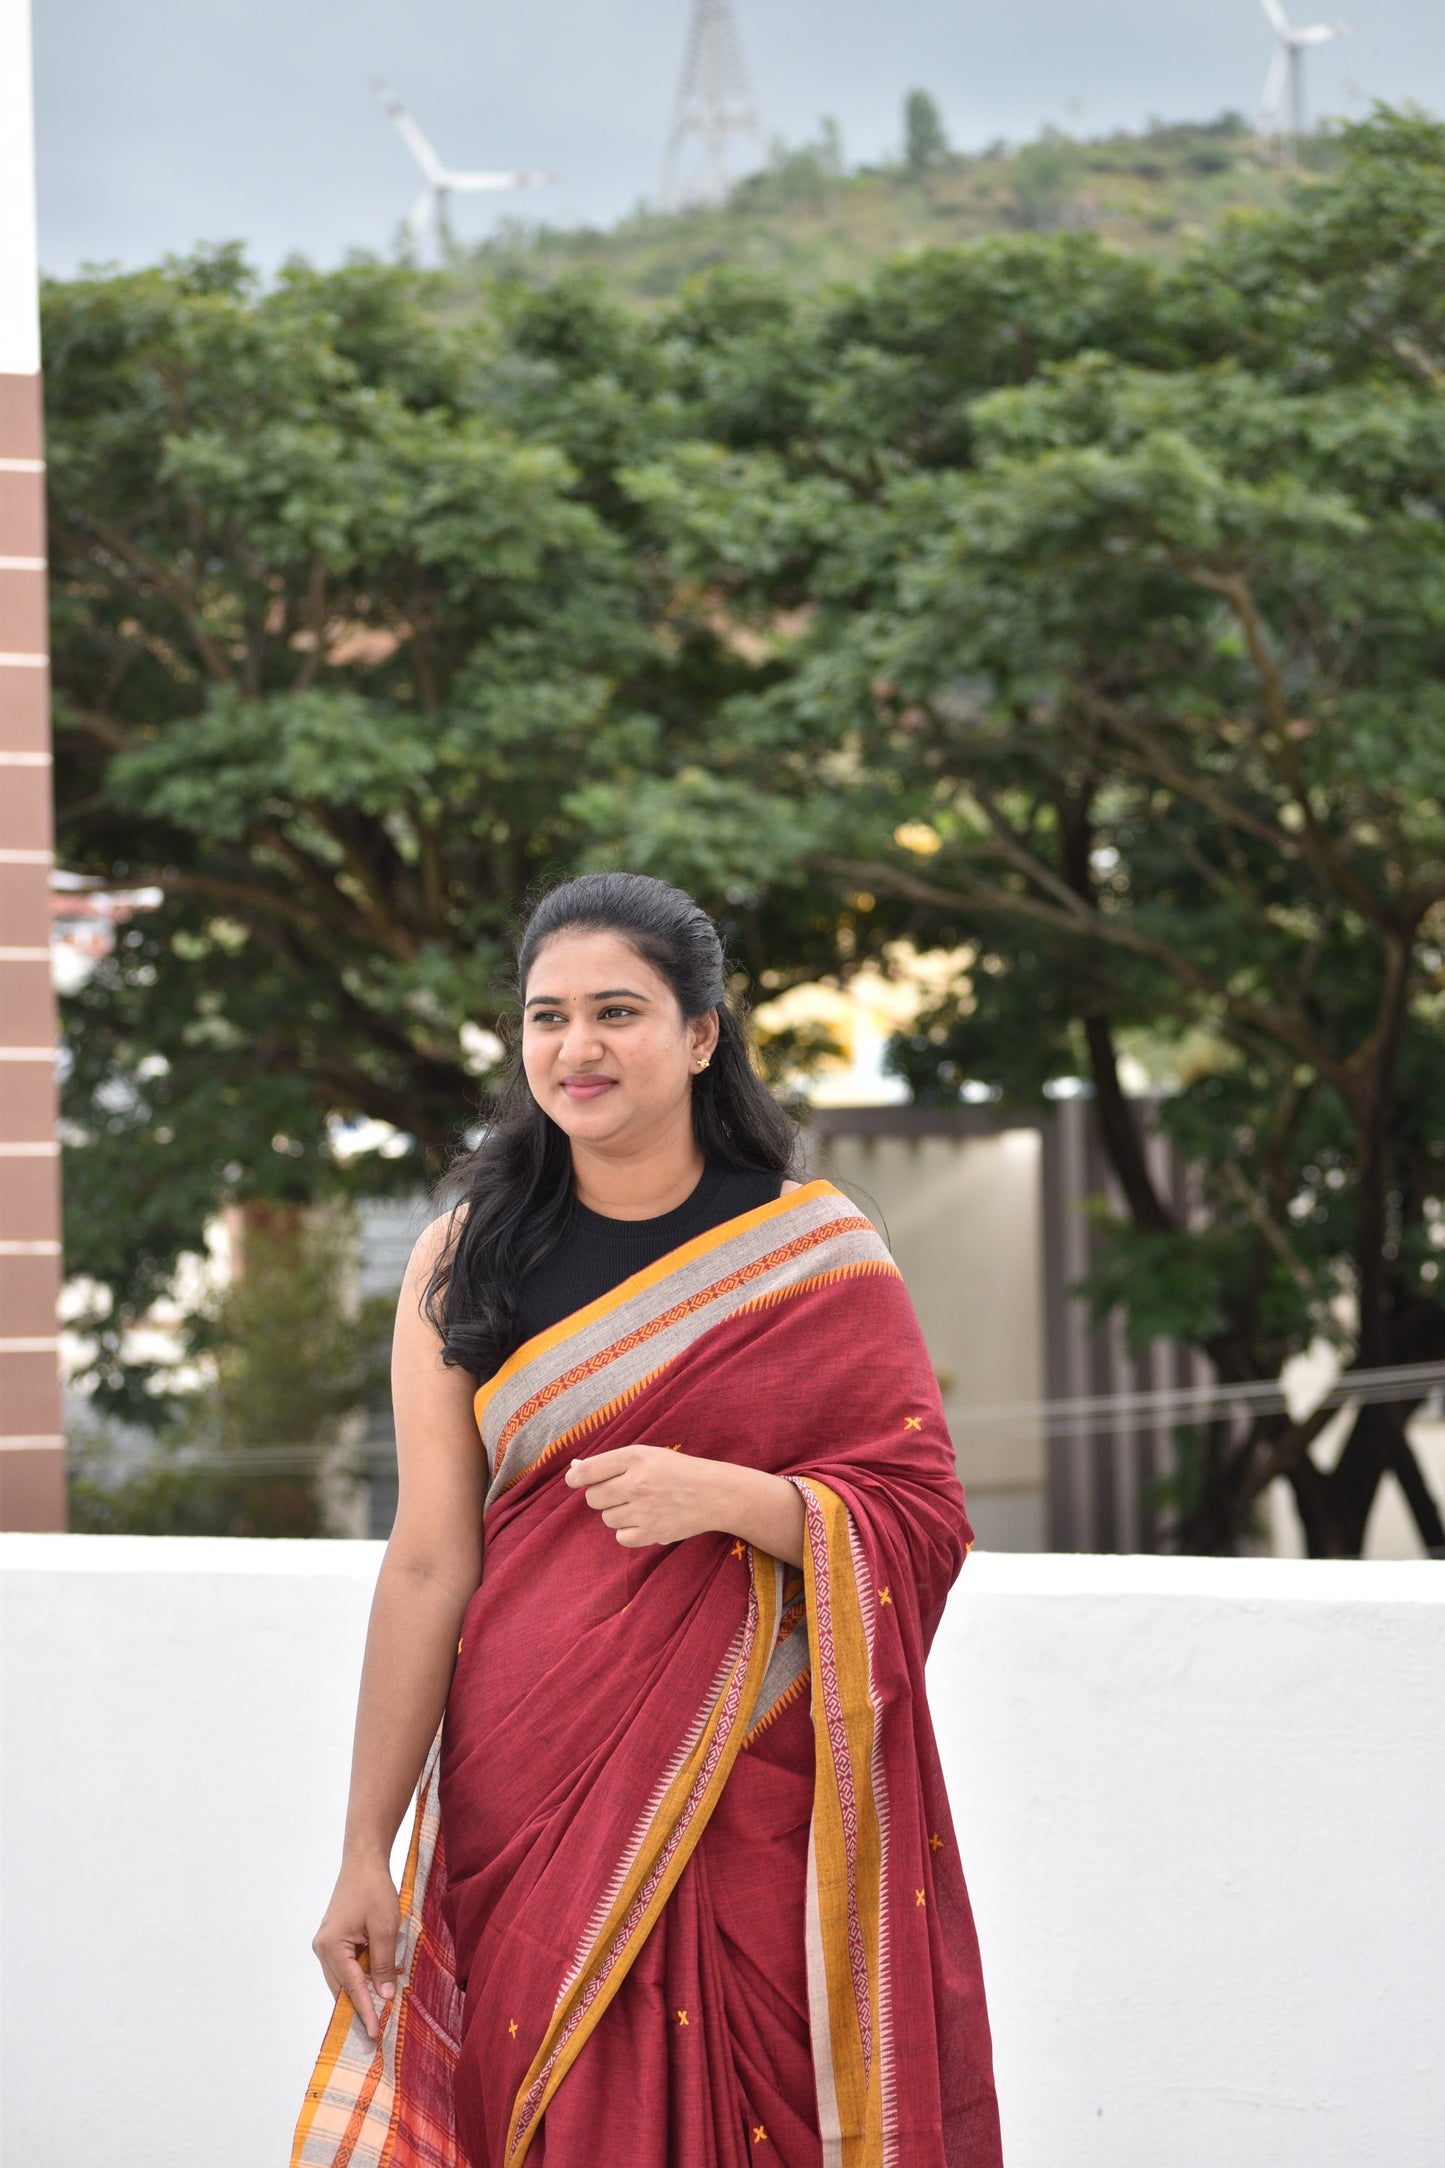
column 95, row 723
column 1265, row 1018
column 315, row 624
column 1281, row 753
column 188, row 883
column 1161, row 764
column 176, row 591
column 387, row 929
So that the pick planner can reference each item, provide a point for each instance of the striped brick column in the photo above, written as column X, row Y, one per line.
column 32, row 1448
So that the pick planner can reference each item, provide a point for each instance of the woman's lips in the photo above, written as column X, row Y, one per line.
column 588, row 1088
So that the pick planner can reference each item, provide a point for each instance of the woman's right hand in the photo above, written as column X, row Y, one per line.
column 364, row 1914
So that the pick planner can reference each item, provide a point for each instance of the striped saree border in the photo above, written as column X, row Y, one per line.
column 848, row 1985
column 349, row 2116
column 660, row 1847
column 593, row 1313
column 788, row 1673
column 660, row 1333
column 564, row 1383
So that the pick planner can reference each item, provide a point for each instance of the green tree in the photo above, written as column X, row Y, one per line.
column 1028, row 596
column 350, row 617
column 1046, row 174
column 925, row 139
column 289, row 1357
column 311, row 601
column 1134, row 672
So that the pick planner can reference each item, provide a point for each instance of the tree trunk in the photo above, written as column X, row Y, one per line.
column 1119, row 1132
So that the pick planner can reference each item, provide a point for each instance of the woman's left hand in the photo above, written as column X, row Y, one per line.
column 652, row 1493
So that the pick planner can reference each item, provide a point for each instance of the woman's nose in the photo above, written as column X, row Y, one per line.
column 581, row 1043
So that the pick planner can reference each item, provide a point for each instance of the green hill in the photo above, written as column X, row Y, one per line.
column 807, row 218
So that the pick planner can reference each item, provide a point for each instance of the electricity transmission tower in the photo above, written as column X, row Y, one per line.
column 714, row 102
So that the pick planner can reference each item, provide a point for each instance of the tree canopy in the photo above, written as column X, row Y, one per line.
column 1028, row 597
column 925, row 139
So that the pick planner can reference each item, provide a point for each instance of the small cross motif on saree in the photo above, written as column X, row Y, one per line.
column 935, row 1842
column 918, row 1896
column 738, row 1548
column 886, row 1596
column 913, row 1422
column 758, row 2134
column 512, row 2028
column 682, row 2017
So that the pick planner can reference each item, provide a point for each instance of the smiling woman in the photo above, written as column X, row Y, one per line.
column 682, row 1886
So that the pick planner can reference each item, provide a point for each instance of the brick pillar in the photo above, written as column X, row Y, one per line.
column 32, row 1448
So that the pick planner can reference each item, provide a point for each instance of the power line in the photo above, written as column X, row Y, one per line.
column 1079, row 1417
column 1091, row 1412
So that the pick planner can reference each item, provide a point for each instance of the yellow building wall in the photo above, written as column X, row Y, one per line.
column 962, row 1217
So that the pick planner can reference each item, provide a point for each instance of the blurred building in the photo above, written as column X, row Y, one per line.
column 32, row 1445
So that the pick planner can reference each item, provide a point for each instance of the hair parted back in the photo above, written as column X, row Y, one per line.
column 517, row 1182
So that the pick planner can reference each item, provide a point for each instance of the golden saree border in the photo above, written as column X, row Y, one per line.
column 660, row 1848
column 558, row 1387
column 846, row 1922
column 349, row 2116
column 673, row 1324
column 593, row 1313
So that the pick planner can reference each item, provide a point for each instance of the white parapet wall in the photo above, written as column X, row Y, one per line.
column 1201, row 1805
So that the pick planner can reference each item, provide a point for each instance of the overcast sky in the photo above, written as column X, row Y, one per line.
column 161, row 123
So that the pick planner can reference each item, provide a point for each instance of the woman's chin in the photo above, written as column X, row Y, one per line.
column 598, row 1117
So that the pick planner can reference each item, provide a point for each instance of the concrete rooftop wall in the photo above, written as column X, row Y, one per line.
column 1199, row 1802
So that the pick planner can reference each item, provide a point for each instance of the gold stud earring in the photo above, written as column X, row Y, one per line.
column 703, row 1063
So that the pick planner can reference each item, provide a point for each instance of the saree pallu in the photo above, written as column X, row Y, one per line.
column 683, row 1889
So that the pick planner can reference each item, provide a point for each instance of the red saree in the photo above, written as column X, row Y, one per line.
column 683, row 1890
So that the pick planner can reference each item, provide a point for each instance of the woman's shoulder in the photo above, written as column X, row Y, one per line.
column 435, row 1240
column 786, row 1186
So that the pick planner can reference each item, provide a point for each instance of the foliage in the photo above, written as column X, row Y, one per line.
column 797, row 177
column 356, row 640
column 1033, row 598
column 1047, row 173
column 925, row 139
column 1145, row 644
column 288, row 1359
column 807, row 219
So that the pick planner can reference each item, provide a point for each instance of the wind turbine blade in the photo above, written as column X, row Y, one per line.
column 1279, row 21
column 1319, row 33
column 411, row 135
column 496, row 180
column 1273, row 92
column 420, row 212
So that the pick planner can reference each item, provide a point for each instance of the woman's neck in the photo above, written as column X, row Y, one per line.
column 642, row 1186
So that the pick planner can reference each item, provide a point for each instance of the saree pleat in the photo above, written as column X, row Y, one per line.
column 684, row 1886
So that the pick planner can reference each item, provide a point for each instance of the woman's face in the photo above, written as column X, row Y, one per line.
column 606, row 1049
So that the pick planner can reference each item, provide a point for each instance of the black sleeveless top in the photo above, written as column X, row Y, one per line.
column 597, row 1252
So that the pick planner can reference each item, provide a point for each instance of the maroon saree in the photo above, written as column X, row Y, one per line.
column 683, row 1890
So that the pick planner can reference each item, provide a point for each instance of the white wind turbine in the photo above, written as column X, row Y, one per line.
column 441, row 180
column 1286, row 70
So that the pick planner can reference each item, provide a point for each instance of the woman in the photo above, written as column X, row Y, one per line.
column 682, row 1889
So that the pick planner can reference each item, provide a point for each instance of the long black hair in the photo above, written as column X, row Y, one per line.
column 517, row 1183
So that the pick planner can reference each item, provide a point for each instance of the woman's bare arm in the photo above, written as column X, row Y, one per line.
column 432, row 1565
